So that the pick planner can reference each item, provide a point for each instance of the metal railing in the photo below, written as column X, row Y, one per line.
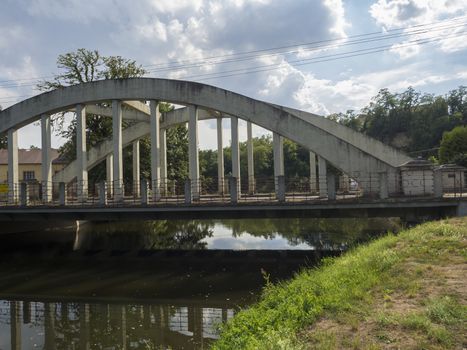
column 372, row 186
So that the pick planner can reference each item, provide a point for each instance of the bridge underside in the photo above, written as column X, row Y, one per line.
column 411, row 210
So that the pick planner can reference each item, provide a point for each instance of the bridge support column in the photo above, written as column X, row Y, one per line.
column 13, row 186
column 109, row 167
column 81, row 153
column 24, row 194
column 251, row 167
column 220, row 157
column 62, row 194
column 136, row 169
column 118, row 149
column 46, row 166
column 155, row 149
column 163, row 163
column 438, row 183
column 235, row 152
column 278, row 151
column 102, row 193
column 144, row 191
column 281, row 188
column 322, row 177
column 383, row 185
column 188, row 194
column 233, row 181
column 331, row 186
column 193, row 156
column 313, row 178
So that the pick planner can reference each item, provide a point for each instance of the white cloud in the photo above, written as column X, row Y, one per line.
column 393, row 14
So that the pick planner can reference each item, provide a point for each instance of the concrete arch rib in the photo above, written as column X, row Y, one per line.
column 335, row 150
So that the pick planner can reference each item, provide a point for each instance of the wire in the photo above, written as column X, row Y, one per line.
column 456, row 19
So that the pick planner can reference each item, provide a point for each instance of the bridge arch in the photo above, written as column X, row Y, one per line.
column 347, row 150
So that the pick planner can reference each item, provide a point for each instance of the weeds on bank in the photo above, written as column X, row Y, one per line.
column 345, row 289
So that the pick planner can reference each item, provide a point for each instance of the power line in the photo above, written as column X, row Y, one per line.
column 319, row 59
column 456, row 19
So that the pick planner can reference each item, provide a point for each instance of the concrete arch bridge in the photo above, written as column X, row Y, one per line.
column 379, row 170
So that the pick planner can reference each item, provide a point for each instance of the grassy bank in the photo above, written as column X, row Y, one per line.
column 405, row 291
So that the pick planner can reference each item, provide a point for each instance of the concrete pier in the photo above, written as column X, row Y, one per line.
column 46, row 166
column 251, row 167
column 235, row 150
column 220, row 157
column 13, row 186
column 193, row 156
column 81, row 153
column 155, row 149
column 278, row 152
column 118, row 151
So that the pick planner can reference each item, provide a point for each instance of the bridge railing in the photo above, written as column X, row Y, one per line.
column 332, row 187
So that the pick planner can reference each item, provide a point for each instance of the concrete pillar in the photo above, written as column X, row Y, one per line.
column 144, row 190
column 322, row 177
column 46, row 166
column 313, row 178
column 193, row 156
column 188, row 197
column 24, row 194
column 331, row 186
column 220, row 157
column 102, row 193
column 251, row 167
column 118, row 149
column 383, row 185
column 109, row 166
column 62, row 194
column 13, row 185
column 136, row 168
column 81, row 153
column 163, row 161
column 233, row 189
column 235, row 151
column 438, row 183
column 155, row 117
column 278, row 153
column 280, row 188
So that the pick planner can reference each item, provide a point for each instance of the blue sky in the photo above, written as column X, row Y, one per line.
column 34, row 33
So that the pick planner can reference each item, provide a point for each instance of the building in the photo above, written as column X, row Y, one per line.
column 29, row 164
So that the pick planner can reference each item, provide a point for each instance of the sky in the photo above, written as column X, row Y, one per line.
column 322, row 66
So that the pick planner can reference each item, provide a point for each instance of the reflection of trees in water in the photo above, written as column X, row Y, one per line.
column 316, row 232
column 161, row 234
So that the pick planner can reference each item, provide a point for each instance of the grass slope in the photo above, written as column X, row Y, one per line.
column 405, row 291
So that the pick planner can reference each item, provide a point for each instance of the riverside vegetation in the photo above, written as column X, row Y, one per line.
column 404, row 291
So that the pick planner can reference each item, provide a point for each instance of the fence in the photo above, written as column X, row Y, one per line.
column 357, row 186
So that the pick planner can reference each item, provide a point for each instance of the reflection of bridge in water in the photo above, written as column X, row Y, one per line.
column 59, row 325
column 370, row 178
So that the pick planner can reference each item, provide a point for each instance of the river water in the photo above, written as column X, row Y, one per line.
column 153, row 285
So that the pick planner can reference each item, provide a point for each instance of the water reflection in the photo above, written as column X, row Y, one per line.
column 58, row 325
column 271, row 234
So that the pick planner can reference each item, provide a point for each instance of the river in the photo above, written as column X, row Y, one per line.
column 155, row 284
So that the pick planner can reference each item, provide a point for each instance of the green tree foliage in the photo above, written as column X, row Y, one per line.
column 411, row 121
column 84, row 66
column 453, row 147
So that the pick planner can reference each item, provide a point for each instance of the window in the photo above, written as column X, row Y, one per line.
column 28, row 175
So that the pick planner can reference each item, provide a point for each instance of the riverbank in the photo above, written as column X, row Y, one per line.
column 405, row 291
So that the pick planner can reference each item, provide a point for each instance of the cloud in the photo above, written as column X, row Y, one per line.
column 393, row 14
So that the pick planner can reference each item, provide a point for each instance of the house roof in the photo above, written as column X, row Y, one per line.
column 31, row 156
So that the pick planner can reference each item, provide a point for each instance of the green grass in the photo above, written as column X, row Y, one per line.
column 345, row 289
